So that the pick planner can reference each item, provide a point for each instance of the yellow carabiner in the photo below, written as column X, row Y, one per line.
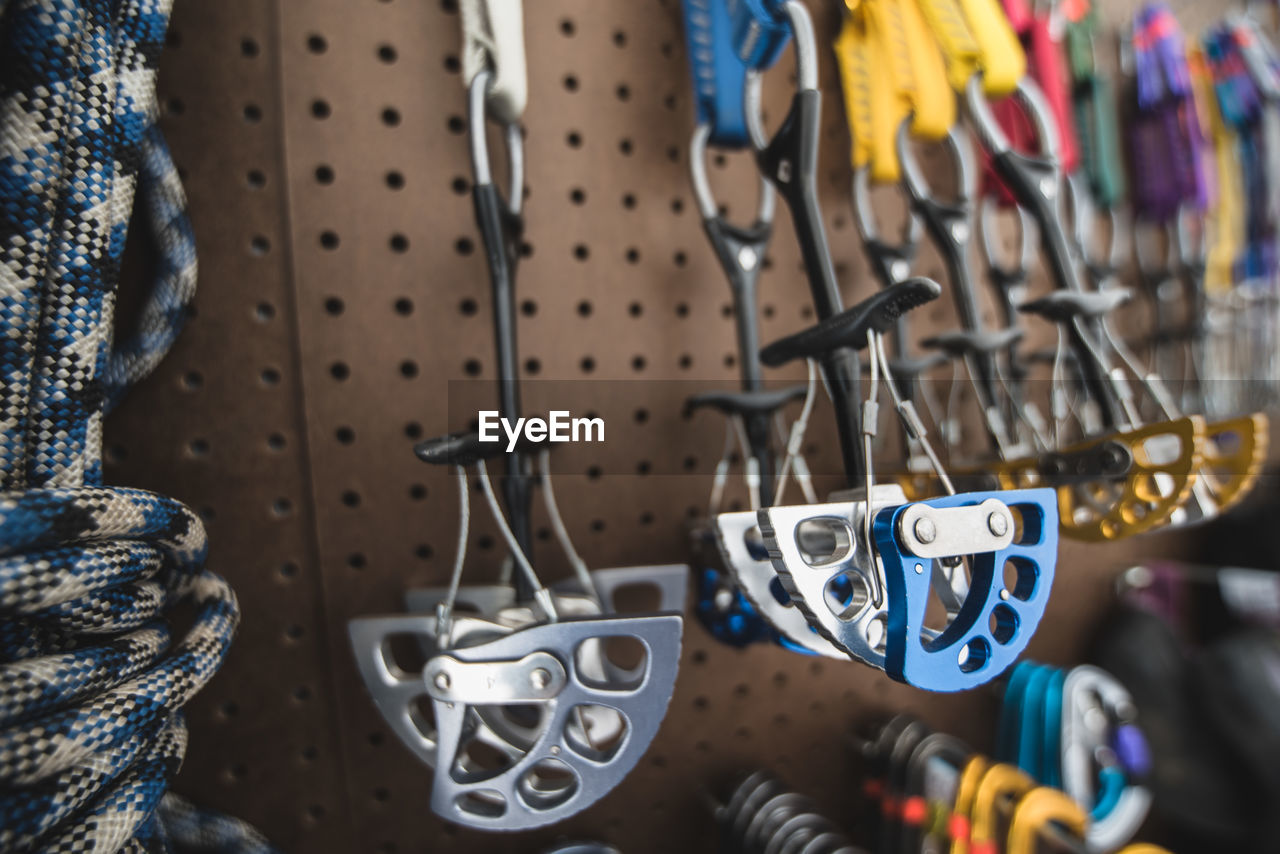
column 1036, row 809
column 1143, row 848
column 998, row 781
column 960, row 827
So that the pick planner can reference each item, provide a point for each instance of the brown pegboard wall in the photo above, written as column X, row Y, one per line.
column 342, row 290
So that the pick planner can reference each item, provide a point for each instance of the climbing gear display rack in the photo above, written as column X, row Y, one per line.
column 323, row 156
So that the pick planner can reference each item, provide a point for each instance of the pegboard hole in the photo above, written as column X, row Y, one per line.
column 584, row 309
column 578, row 195
column 641, row 416
column 391, row 117
column 192, row 380
column 324, row 174
column 626, row 146
column 635, row 309
column 350, row 498
column 587, row 364
column 633, row 255
column 623, row 92
column 270, row 377
column 417, row 492
column 281, row 508
column 423, row 552
column 451, row 64
column 329, row 240
column 413, row 430
column 248, row 48
column 619, row 38
column 276, row 442
column 255, row 179
column 334, row 306
column 287, row 570
column 387, row 53
column 471, row 367
column 468, row 307
column 456, row 125
column 403, row 306
column 259, row 245
column 528, row 308
column 316, row 43
column 532, row 366
column 320, row 109
column 573, row 139
column 408, row 369
column 638, row 363
column 394, row 180
column 567, row 27
column 198, row 447
column 263, row 312
column 345, row 435
column 459, row 185
column 629, row 201
column 570, row 83
column 464, row 246
column 399, row 244
column 252, row 113
column 340, row 371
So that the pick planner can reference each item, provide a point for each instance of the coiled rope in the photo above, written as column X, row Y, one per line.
column 91, row 684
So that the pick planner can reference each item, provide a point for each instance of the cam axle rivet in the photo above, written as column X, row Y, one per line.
column 925, row 530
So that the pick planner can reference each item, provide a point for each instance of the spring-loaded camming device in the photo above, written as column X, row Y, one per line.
column 1098, row 501
column 529, row 677
column 738, row 606
column 949, row 227
column 862, row 569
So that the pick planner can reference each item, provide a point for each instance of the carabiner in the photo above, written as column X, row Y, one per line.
column 1038, row 811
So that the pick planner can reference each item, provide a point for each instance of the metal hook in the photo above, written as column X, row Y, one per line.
column 477, row 112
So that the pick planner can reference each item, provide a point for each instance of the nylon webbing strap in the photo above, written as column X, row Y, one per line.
column 759, row 30
column 890, row 69
column 719, row 76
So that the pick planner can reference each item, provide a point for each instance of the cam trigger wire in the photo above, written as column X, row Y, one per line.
column 795, row 441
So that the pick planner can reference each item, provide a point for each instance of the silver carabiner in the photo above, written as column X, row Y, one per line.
column 477, row 113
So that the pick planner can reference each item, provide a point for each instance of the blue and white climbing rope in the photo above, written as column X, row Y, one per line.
column 91, row 684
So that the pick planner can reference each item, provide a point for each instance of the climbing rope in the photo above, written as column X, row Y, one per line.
column 91, row 683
